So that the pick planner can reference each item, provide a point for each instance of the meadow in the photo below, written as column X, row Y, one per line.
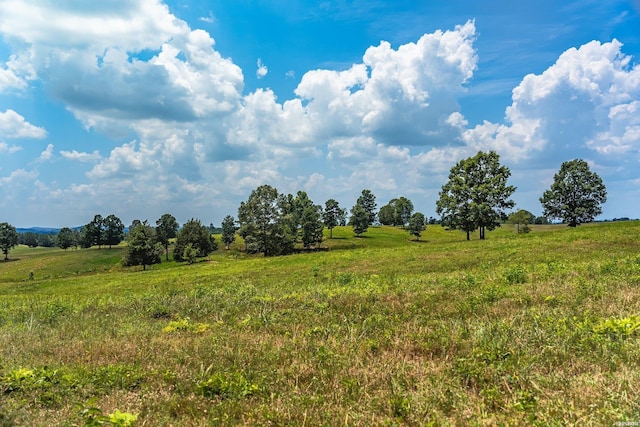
column 530, row 329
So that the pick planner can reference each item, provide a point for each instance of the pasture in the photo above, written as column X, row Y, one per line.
column 530, row 329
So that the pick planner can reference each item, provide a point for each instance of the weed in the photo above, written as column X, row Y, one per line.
column 516, row 275
column 185, row 325
column 227, row 386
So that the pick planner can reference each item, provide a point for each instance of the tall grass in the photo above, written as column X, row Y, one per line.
column 537, row 329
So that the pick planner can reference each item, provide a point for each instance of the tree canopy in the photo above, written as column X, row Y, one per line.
column 397, row 212
column 166, row 229
column 197, row 237
column 228, row 231
column 576, row 194
column 333, row 215
column 266, row 223
column 476, row 194
column 143, row 247
column 8, row 238
column 417, row 224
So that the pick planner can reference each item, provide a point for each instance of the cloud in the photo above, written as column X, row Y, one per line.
column 586, row 103
column 47, row 154
column 209, row 19
column 80, row 156
column 262, row 70
column 13, row 125
column 10, row 149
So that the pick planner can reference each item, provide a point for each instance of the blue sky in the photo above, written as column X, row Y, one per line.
column 143, row 107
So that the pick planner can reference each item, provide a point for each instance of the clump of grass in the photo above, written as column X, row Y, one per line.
column 234, row 385
column 185, row 325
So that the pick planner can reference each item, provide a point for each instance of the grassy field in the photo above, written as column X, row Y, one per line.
column 536, row 329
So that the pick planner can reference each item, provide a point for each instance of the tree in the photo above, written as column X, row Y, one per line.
column 266, row 222
column 397, row 212
column 30, row 239
column 64, row 239
column 142, row 246
column 312, row 226
column 113, row 230
column 368, row 202
column 166, row 229
column 417, row 224
column 8, row 238
column 476, row 194
column 576, row 194
column 359, row 219
column 228, row 231
column 386, row 215
column 197, row 235
column 333, row 215
column 523, row 217
column 93, row 232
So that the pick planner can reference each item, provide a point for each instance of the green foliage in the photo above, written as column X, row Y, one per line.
column 113, row 230
column 521, row 217
column 267, row 222
column 92, row 416
column 417, row 224
column 142, row 247
column 234, row 385
column 185, row 325
column 515, row 275
column 66, row 238
column 368, row 202
column 166, row 229
column 359, row 220
column 397, row 212
column 189, row 254
column 333, row 215
column 8, row 238
column 198, row 237
column 312, row 226
column 476, row 194
column 618, row 327
column 576, row 194
column 228, row 231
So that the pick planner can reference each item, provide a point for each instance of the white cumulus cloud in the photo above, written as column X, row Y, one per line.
column 13, row 125
column 262, row 70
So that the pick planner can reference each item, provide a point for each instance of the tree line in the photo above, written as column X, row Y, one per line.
column 476, row 196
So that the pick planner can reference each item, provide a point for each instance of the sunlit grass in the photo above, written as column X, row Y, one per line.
column 517, row 329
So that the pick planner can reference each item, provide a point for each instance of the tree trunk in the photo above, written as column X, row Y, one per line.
column 468, row 238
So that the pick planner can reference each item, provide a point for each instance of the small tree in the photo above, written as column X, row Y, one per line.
column 417, row 224
column 521, row 217
column 228, row 231
column 312, row 226
column 359, row 219
column 166, row 229
column 8, row 238
column 197, row 235
column 576, row 194
column 333, row 215
column 64, row 239
column 142, row 246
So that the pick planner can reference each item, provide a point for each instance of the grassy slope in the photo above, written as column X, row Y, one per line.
column 528, row 329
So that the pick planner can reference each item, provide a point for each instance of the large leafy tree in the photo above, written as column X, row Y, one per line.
column 333, row 215
column 397, row 212
column 65, row 238
column 197, row 236
column 113, row 230
column 576, row 194
column 417, row 224
column 476, row 194
column 266, row 222
column 166, row 229
column 228, row 231
column 93, row 232
column 8, row 238
column 143, row 247
column 30, row 239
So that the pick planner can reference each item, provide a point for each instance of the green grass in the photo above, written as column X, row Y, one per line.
column 535, row 329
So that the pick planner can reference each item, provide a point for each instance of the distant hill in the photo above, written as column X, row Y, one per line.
column 38, row 230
